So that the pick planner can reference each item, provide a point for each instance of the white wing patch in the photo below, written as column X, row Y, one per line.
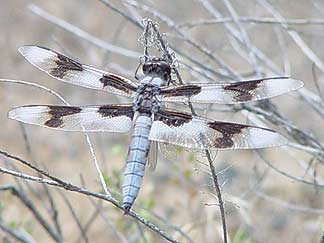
column 88, row 118
column 201, row 133
column 232, row 93
column 68, row 70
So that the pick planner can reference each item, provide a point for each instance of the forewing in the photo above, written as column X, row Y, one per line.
column 106, row 118
column 68, row 70
column 230, row 93
column 200, row 133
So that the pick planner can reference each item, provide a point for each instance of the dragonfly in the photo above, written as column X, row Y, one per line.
column 147, row 117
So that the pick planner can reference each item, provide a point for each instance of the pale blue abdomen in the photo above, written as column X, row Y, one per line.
column 136, row 161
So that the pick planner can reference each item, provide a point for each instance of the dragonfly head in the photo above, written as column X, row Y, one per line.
column 157, row 67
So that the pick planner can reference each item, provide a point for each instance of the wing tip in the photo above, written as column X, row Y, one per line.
column 272, row 139
column 295, row 83
column 30, row 52
column 25, row 48
column 292, row 83
column 11, row 114
column 279, row 140
column 15, row 113
column 25, row 113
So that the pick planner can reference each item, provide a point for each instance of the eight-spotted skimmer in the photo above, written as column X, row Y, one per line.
column 146, row 117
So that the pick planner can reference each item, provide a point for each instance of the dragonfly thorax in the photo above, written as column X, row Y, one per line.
column 146, row 101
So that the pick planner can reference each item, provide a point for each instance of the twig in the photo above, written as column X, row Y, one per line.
column 186, row 37
column 260, row 55
column 93, row 156
column 299, row 179
column 71, row 187
column 54, row 211
column 23, row 198
column 322, row 238
column 170, row 57
column 294, row 35
column 139, row 227
column 301, row 136
column 15, row 234
column 289, row 206
column 82, row 34
column 168, row 224
column 296, row 133
column 99, row 211
column 250, row 20
column 245, row 38
column 75, row 216
column 219, row 195
column 321, row 95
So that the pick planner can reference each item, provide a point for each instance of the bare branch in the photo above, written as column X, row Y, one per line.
column 294, row 35
column 23, row 198
column 71, row 187
column 82, row 34
column 219, row 195
column 250, row 20
column 15, row 234
column 289, row 206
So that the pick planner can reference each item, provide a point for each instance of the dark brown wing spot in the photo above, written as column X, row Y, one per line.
column 116, row 110
column 58, row 112
column 243, row 89
column 228, row 130
column 184, row 90
column 64, row 65
column 172, row 118
column 117, row 82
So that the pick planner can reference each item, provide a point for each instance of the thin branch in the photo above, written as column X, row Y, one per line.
column 250, row 20
column 15, row 234
column 99, row 211
column 244, row 36
column 219, row 194
column 82, row 34
column 93, row 156
column 75, row 217
column 23, row 198
column 54, row 211
column 322, row 238
column 289, row 206
column 71, row 187
column 260, row 55
column 186, row 37
column 171, row 58
column 304, row 138
column 308, row 52
column 168, row 224
column 296, row 178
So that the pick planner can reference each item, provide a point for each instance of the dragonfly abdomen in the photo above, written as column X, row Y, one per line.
column 136, row 161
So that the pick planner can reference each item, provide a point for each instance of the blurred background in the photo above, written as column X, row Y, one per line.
column 271, row 195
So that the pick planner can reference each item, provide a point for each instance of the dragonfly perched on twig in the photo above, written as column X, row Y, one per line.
column 146, row 116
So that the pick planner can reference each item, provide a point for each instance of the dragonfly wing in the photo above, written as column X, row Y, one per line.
column 153, row 155
column 231, row 93
column 70, row 71
column 105, row 118
column 195, row 132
